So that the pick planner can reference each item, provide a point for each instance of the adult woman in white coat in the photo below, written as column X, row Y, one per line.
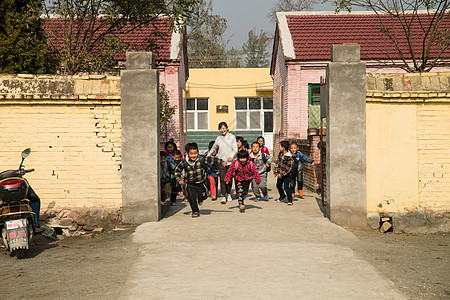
column 225, row 146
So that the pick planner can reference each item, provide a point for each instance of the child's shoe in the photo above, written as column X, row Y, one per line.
column 223, row 200
column 266, row 197
column 257, row 199
column 300, row 192
column 195, row 214
column 229, row 199
column 281, row 199
column 214, row 198
column 242, row 208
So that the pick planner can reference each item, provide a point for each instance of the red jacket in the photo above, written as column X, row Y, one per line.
column 265, row 150
column 242, row 172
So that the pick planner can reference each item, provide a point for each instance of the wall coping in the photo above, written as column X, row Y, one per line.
column 393, row 75
column 408, row 97
column 51, row 76
column 13, row 99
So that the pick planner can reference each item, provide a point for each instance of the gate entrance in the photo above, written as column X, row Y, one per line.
column 345, row 108
column 140, row 139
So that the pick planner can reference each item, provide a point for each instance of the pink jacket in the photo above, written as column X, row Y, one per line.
column 242, row 172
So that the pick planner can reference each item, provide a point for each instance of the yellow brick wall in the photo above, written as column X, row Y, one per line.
column 433, row 148
column 408, row 142
column 391, row 157
column 74, row 139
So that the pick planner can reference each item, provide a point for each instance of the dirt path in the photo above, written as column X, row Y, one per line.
column 417, row 264
column 272, row 251
column 73, row 268
column 98, row 268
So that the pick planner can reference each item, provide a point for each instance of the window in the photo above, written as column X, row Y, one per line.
column 314, row 94
column 254, row 113
column 197, row 114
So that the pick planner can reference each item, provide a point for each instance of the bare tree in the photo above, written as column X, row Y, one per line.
column 421, row 24
column 289, row 5
column 86, row 35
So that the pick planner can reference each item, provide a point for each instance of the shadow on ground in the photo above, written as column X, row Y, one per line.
column 323, row 209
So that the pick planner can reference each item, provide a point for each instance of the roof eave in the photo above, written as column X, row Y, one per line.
column 287, row 44
column 176, row 42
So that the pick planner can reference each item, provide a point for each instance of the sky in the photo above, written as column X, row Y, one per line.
column 243, row 15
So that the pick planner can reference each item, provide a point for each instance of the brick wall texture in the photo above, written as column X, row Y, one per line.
column 312, row 175
column 173, row 77
column 73, row 127
column 427, row 97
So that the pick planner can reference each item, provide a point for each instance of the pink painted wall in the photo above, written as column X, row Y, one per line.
column 280, row 76
column 174, row 78
column 297, row 78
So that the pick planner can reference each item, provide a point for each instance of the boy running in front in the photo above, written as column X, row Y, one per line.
column 283, row 172
column 195, row 176
column 243, row 171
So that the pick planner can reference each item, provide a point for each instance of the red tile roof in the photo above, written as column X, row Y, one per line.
column 156, row 37
column 313, row 35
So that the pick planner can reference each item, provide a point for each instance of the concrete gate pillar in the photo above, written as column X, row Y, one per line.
column 140, row 139
column 346, row 137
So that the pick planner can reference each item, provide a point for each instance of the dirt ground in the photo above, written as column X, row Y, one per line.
column 417, row 264
column 79, row 268
column 72, row 268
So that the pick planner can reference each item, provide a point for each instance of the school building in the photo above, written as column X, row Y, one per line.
column 242, row 97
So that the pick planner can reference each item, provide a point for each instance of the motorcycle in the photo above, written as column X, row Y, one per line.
column 17, row 220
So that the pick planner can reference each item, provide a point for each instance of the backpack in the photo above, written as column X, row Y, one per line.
column 265, row 159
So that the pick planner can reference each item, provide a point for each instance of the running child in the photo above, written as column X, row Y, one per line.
column 165, row 176
column 195, row 176
column 240, row 141
column 262, row 162
column 212, row 173
column 283, row 172
column 297, row 173
column 261, row 142
column 175, row 187
column 169, row 147
column 243, row 171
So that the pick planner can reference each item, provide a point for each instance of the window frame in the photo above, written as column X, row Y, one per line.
column 261, row 111
column 196, row 111
column 310, row 87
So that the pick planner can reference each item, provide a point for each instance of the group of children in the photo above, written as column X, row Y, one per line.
column 194, row 175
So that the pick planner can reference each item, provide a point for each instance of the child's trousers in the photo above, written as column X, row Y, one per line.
column 299, row 180
column 262, row 186
column 212, row 185
column 196, row 193
column 165, row 191
column 242, row 190
column 225, row 188
column 175, row 188
column 284, row 184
